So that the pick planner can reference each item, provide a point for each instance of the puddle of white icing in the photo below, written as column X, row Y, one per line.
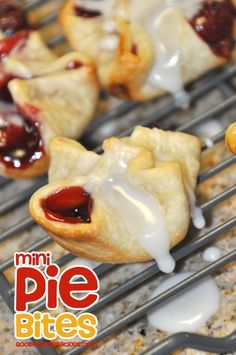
column 211, row 254
column 83, row 262
column 189, row 310
column 137, row 210
column 209, row 128
column 195, row 211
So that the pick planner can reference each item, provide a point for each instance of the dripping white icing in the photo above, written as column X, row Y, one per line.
column 195, row 211
column 166, row 71
column 158, row 20
column 209, row 128
column 211, row 254
column 182, row 99
column 139, row 11
column 158, row 17
column 189, row 310
column 142, row 217
column 137, row 210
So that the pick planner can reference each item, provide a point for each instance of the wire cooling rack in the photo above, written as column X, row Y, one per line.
column 220, row 80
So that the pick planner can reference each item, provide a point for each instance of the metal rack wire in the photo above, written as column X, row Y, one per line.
column 220, row 80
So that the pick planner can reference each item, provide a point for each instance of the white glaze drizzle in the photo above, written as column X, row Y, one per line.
column 111, row 37
column 166, row 71
column 189, row 310
column 158, row 17
column 142, row 217
column 195, row 211
column 137, row 210
column 182, row 99
column 211, row 254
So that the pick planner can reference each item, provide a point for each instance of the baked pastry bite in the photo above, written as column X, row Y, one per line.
column 61, row 103
column 22, row 55
column 129, row 204
column 144, row 49
column 230, row 138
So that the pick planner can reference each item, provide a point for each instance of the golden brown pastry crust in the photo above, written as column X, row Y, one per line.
column 65, row 102
column 105, row 239
column 125, row 70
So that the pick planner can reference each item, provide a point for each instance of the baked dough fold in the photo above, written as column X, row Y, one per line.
column 61, row 102
column 150, row 168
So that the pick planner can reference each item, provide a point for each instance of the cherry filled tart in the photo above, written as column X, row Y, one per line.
column 61, row 103
column 145, row 49
column 133, row 203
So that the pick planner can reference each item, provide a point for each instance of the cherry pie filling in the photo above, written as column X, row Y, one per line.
column 12, row 18
column 20, row 140
column 69, row 205
column 86, row 13
column 214, row 24
column 74, row 64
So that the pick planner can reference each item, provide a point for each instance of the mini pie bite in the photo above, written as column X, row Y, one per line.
column 60, row 102
column 144, row 49
column 23, row 55
column 130, row 204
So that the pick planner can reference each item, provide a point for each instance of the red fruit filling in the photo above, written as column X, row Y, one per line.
column 69, row 205
column 214, row 24
column 74, row 64
column 12, row 18
column 86, row 13
column 20, row 140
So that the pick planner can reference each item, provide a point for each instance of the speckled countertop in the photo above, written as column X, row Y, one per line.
column 141, row 335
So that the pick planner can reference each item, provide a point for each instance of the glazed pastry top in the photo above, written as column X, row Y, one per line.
column 137, row 183
column 212, row 21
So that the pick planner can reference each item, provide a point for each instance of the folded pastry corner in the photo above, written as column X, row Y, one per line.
column 129, row 204
column 145, row 49
column 22, row 54
column 57, row 104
